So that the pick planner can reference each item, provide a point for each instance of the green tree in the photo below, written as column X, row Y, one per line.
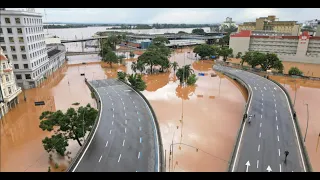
column 175, row 65
column 137, row 82
column 140, row 66
column 247, row 57
column 198, row 31
column 160, row 40
column 239, row 54
column 149, row 58
column 73, row 124
column 182, row 32
column 131, row 54
column 120, row 58
column 295, row 71
column 225, row 52
column 192, row 79
column 184, row 72
column 270, row 61
column 110, row 58
column 134, row 67
column 114, row 40
column 256, row 59
column 122, row 76
column 204, row 50
column 105, row 47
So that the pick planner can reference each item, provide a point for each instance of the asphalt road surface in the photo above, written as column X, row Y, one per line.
column 125, row 139
column 271, row 132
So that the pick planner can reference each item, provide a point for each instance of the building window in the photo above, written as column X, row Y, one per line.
column 9, row 90
column 1, row 31
column 9, row 30
column 13, row 48
column 22, row 48
column 4, row 65
column 28, row 76
column 25, row 66
column 19, row 30
column 17, row 20
column 24, row 19
column 18, row 76
column 14, row 57
column 1, row 39
column 7, row 78
column 4, row 48
column 11, row 39
column 7, row 20
column 21, row 39
column 24, row 56
column 16, row 66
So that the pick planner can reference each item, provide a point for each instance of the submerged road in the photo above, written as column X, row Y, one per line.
column 271, row 132
column 125, row 139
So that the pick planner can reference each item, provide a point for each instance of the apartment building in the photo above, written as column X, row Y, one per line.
column 22, row 41
column 8, row 88
column 272, row 23
column 303, row 48
column 56, row 55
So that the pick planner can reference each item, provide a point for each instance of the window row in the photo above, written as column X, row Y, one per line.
column 39, row 71
column 13, row 48
column 10, row 30
column 25, row 66
column 39, row 61
column 27, row 21
column 11, row 39
column 19, row 76
column 35, row 46
column 31, row 30
column 15, row 57
column 35, row 38
column 37, row 53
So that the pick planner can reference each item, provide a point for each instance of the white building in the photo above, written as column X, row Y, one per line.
column 9, row 90
column 56, row 55
column 22, row 40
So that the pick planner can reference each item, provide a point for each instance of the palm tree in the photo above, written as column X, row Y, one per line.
column 134, row 67
column 184, row 73
column 175, row 65
column 140, row 66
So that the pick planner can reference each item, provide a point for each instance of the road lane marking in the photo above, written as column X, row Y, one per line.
column 261, row 116
column 262, row 94
column 278, row 138
column 123, row 142
column 275, row 105
column 139, row 155
column 112, row 104
column 277, row 127
column 119, row 158
column 261, row 109
column 112, row 123
column 107, row 143
column 100, row 158
column 124, row 108
column 262, row 99
column 255, row 88
column 276, row 111
column 279, row 151
column 110, row 131
column 126, row 121
column 130, row 97
column 139, row 128
column 257, row 164
column 259, row 148
column 122, row 102
column 125, row 130
column 133, row 102
column 135, row 106
column 274, row 100
column 262, row 104
column 125, row 114
column 280, row 167
column 139, row 119
column 274, row 95
column 121, row 99
column 112, row 109
column 260, row 135
column 260, row 124
column 265, row 88
column 261, row 90
column 137, row 112
column 113, row 115
column 276, row 118
column 140, row 139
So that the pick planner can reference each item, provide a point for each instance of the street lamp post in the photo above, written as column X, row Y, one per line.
column 304, row 140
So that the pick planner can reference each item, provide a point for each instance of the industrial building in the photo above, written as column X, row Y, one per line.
column 303, row 48
column 271, row 23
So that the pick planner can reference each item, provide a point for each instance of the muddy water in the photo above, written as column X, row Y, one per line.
column 212, row 111
column 307, row 91
column 21, row 146
column 308, row 69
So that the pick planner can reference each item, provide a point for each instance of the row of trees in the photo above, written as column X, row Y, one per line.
column 205, row 50
column 266, row 61
column 135, row 80
column 73, row 124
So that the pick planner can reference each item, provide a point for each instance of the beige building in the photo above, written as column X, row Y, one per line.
column 303, row 48
column 9, row 89
column 271, row 23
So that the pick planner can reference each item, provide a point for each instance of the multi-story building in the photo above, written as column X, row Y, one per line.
column 57, row 56
column 9, row 89
column 318, row 29
column 303, row 48
column 22, row 40
column 273, row 24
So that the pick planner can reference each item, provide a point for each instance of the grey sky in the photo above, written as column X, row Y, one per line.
column 173, row 15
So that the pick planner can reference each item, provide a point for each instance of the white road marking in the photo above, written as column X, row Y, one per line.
column 255, row 88
column 262, row 94
column 280, row 167
column 276, row 111
column 265, row 88
column 112, row 123
column 262, row 99
column 112, row 104
column 275, row 105
column 124, row 108
column 262, row 104
column 137, row 112
column 130, row 97
column 140, row 139
column 126, row 121
column 125, row 114
column 125, row 130
column 107, row 143
column 123, row 142
column 274, row 95
column 277, row 127
column 110, row 131
column 133, row 102
column 279, row 151
column 113, row 115
column 139, row 155
column 122, row 102
column 260, row 124
column 274, row 100
column 139, row 128
column 276, row 118
column 261, row 116
column 135, row 106
column 260, row 135
column 278, row 138
column 139, row 119
column 112, row 109
column 119, row 158
column 257, row 163
column 261, row 109
column 261, row 90
column 259, row 148
column 121, row 99
column 100, row 158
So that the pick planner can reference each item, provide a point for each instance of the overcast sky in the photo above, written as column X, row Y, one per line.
column 173, row 15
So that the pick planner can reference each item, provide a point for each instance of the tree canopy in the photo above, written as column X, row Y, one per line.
column 73, row 124
column 198, row 31
column 184, row 73
column 137, row 82
column 295, row 71
column 110, row 58
column 266, row 61
column 225, row 52
column 204, row 50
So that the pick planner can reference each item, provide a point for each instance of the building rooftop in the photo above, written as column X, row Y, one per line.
column 53, row 52
column 25, row 12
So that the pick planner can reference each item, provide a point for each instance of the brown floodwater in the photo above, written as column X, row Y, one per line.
column 212, row 111
column 307, row 92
